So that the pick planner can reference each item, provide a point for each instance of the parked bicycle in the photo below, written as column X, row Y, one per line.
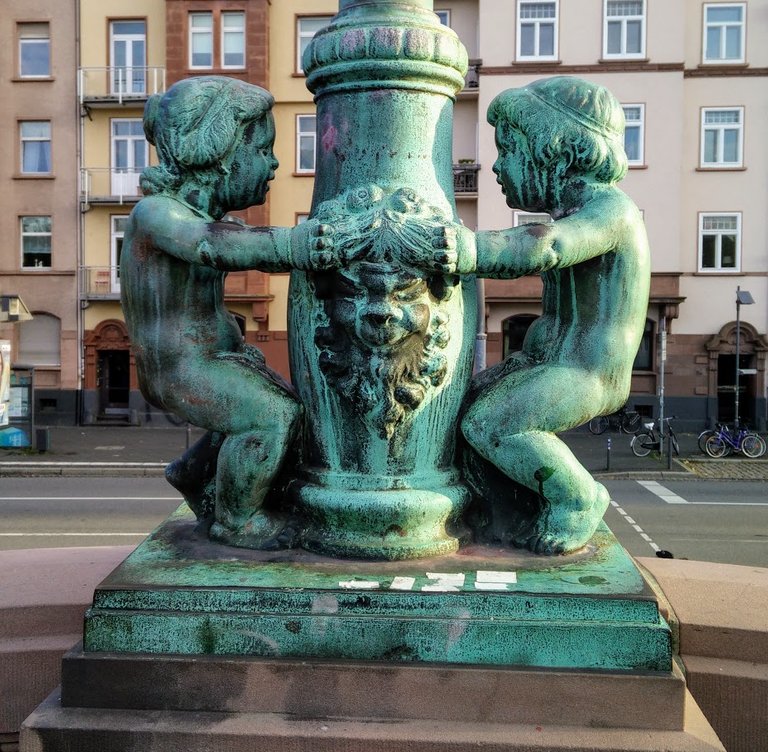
column 723, row 441
column 628, row 421
column 649, row 440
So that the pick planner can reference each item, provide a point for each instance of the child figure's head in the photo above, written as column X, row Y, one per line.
column 215, row 132
column 551, row 131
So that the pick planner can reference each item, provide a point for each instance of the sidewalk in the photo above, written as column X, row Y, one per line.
column 121, row 451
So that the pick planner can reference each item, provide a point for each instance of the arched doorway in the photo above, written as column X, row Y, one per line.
column 722, row 374
column 108, row 371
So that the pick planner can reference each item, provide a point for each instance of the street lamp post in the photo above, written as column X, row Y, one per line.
column 742, row 298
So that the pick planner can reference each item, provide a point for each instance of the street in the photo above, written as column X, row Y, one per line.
column 718, row 521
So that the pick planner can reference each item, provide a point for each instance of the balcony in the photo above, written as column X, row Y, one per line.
column 465, row 179
column 107, row 185
column 472, row 79
column 99, row 283
column 119, row 85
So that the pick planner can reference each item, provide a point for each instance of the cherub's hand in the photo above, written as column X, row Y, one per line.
column 312, row 244
column 445, row 255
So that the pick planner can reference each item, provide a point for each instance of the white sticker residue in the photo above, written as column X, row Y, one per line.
column 403, row 583
column 359, row 585
column 445, row 582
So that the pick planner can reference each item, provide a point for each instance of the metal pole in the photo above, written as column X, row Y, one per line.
column 481, row 338
column 662, row 368
column 738, row 343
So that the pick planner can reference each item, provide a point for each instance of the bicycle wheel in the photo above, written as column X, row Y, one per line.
column 630, row 422
column 598, row 425
column 716, row 447
column 702, row 440
column 753, row 446
column 675, row 444
column 641, row 444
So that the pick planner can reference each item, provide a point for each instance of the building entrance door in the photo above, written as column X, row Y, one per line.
column 114, row 382
column 726, row 383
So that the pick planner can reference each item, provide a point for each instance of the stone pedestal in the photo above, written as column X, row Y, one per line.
column 293, row 651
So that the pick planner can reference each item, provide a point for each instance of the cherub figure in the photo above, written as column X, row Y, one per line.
column 560, row 144
column 214, row 139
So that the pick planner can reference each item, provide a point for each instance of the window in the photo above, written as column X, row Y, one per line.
column 233, row 39
column 201, row 40
column 35, row 147
column 128, row 46
column 722, row 137
column 129, row 156
column 634, row 133
column 530, row 218
column 306, row 28
column 444, row 16
column 305, row 143
column 724, row 32
column 119, row 223
column 34, row 50
column 513, row 331
column 536, row 30
column 36, row 242
column 301, row 218
column 719, row 242
column 624, row 32
column 644, row 357
column 40, row 340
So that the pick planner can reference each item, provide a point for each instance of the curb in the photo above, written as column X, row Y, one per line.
column 79, row 469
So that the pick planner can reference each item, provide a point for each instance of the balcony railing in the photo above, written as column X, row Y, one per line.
column 108, row 185
column 100, row 282
column 118, row 84
column 465, row 177
column 472, row 78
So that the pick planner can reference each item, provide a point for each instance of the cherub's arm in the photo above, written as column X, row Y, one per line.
column 231, row 246
column 508, row 254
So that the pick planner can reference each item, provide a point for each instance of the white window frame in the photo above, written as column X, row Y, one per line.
column 719, row 268
column 30, row 139
column 638, row 125
column 720, row 60
column 130, row 78
column 538, row 23
column 26, row 39
column 622, row 20
column 199, row 31
column 33, row 234
column 240, row 31
column 115, row 234
column 302, row 134
column 305, row 37
column 444, row 15
column 721, row 164
column 124, row 179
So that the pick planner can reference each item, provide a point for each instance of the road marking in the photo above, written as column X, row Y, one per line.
column 91, row 498
column 663, row 493
column 647, row 538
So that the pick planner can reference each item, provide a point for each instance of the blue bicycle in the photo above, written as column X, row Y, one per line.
column 724, row 441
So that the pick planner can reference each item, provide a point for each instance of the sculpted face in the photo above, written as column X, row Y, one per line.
column 253, row 164
column 378, row 307
column 522, row 181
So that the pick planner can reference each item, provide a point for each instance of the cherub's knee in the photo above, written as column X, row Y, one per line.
column 478, row 428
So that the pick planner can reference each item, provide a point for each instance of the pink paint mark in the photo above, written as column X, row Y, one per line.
column 329, row 138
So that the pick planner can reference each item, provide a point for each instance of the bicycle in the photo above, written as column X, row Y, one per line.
column 628, row 421
column 644, row 442
column 724, row 441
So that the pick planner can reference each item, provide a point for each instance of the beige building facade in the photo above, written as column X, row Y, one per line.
column 38, row 181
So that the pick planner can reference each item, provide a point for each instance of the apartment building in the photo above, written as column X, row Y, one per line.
column 692, row 78
column 38, row 185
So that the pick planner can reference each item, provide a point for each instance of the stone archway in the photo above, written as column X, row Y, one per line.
column 753, row 350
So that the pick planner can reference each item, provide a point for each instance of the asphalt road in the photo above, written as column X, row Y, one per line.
column 719, row 521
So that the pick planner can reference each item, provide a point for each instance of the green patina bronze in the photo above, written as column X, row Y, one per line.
column 590, row 610
column 383, row 447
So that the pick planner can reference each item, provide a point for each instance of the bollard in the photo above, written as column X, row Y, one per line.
column 608, row 454
column 669, row 451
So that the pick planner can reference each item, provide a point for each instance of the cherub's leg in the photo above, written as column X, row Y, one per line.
column 512, row 426
column 194, row 474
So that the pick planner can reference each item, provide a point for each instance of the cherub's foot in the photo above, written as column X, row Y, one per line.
column 560, row 530
column 200, row 495
column 262, row 532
